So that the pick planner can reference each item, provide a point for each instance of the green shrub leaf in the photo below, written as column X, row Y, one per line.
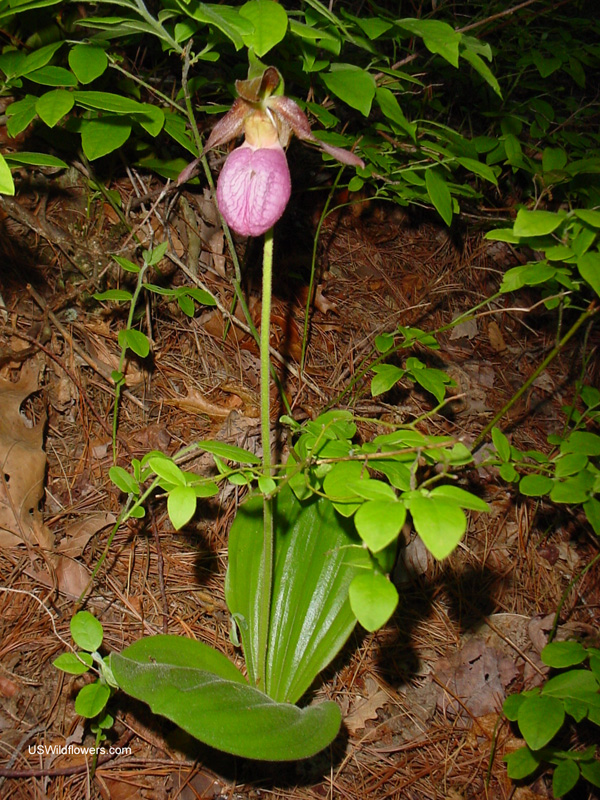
column 535, row 485
column 540, row 718
column 536, row 223
column 92, row 699
column 521, row 763
column 88, row 62
column 353, row 85
column 99, row 137
column 53, row 106
column 134, row 340
column 379, row 522
column 439, row 522
column 563, row 654
column 373, row 599
column 71, row 663
column 440, row 196
column 270, row 25
column 86, row 631
column 181, row 505
column 7, row 185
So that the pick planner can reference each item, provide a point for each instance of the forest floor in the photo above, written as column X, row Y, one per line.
column 421, row 697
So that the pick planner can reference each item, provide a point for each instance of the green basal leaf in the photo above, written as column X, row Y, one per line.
column 317, row 555
column 373, row 599
column 198, row 689
column 86, row 631
column 74, row 664
column 540, row 718
column 181, row 505
column 92, row 699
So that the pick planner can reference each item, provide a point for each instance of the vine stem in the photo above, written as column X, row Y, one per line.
column 589, row 312
column 265, row 585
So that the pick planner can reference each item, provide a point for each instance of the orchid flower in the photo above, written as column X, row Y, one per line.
column 254, row 185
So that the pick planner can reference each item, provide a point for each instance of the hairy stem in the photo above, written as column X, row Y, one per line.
column 266, row 568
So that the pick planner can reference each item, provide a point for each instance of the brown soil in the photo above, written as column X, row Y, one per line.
column 421, row 697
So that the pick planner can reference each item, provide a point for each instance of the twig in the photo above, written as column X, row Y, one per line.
column 246, row 328
column 589, row 312
column 71, row 375
column 160, row 570
column 79, row 350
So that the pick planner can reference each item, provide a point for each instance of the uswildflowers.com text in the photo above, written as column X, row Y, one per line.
column 76, row 750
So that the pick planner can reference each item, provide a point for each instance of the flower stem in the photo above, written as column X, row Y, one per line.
column 266, row 568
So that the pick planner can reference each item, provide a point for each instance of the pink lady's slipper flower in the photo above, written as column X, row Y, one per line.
column 254, row 185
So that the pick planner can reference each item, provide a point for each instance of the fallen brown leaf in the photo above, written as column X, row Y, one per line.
column 23, row 461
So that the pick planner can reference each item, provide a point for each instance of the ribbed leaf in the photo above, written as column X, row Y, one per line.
column 317, row 554
column 201, row 691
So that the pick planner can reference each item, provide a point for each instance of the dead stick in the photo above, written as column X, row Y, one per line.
column 160, row 570
column 79, row 350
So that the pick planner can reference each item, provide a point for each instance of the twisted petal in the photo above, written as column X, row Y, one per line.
column 292, row 114
column 253, row 189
